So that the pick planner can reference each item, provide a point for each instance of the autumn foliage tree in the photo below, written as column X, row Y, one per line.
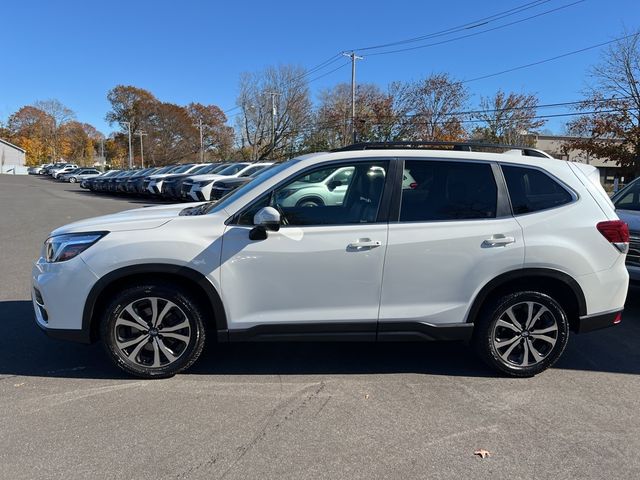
column 47, row 131
column 610, row 126
column 171, row 132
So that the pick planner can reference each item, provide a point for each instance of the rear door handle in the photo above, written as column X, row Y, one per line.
column 364, row 244
column 497, row 241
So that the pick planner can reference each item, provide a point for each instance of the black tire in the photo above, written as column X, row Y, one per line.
column 73, row 180
column 157, row 347
column 494, row 342
column 310, row 202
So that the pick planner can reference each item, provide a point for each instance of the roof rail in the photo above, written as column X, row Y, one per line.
column 461, row 146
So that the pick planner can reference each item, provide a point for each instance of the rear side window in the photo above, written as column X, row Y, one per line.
column 434, row 190
column 532, row 190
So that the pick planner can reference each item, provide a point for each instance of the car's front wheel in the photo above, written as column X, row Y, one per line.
column 153, row 330
column 522, row 334
column 73, row 180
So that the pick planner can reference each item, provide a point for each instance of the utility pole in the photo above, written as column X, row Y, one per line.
column 201, row 142
column 353, row 57
column 128, row 124
column 141, row 133
column 274, row 115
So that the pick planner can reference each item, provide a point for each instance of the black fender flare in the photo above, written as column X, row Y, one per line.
column 193, row 276
column 524, row 273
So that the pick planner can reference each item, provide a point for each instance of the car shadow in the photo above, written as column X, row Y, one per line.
column 28, row 352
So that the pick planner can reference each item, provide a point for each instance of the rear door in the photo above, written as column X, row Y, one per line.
column 454, row 233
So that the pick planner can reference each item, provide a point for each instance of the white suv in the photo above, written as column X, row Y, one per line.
column 509, row 252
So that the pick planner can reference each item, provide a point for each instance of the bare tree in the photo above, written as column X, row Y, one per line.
column 434, row 103
column 610, row 126
column 508, row 118
column 59, row 115
column 275, row 111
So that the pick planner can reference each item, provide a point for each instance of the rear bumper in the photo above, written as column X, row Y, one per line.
column 588, row 323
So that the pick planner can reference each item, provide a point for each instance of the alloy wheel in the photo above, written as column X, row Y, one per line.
column 525, row 334
column 152, row 332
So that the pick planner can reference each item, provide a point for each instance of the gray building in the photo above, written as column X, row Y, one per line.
column 552, row 144
column 12, row 158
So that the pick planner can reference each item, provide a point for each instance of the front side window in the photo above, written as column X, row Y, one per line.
column 339, row 195
column 436, row 190
column 531, row 190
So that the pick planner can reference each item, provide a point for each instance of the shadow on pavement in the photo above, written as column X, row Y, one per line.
column 27, row 351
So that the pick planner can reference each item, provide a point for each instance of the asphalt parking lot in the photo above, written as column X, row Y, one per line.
column 296, row 410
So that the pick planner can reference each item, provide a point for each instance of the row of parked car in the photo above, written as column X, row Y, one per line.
column 190, row 182
column 65, row 172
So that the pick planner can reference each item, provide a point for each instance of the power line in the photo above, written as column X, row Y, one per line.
column 473, row 24
column 320, row 66
column 548, row 59
column 547, row 12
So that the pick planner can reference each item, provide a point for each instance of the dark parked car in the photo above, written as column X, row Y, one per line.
column 173, row 183
column 134, row 182
column 627, row 202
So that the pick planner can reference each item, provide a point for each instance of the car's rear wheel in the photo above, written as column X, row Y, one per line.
column 153, row 330
column 73, row 180
column 522, row 334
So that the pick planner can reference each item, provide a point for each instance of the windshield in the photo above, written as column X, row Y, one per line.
column 250, row 171
column 166, row 169
column 232, row 169
column 182, row 169
column 201, row 169
column 213, row 207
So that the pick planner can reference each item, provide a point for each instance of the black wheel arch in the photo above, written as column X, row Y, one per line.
column 312, row 197
column 193, row 280
column 559, row 285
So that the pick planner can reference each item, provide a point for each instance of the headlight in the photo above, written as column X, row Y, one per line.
column 64, row 247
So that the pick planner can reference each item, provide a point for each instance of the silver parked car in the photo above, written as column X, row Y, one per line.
column 627, row 203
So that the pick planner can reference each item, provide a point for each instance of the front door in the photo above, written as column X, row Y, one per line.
column 324, row 265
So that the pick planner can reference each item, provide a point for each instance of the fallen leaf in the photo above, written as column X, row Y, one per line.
column 366, row 396
column 481, row 452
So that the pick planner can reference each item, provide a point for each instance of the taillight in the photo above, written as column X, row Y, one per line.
column 616, row 232
column 618, row 318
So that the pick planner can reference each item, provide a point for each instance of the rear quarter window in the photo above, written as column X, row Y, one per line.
column 532, row 190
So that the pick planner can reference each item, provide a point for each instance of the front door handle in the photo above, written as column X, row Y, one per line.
column 363, row 244
column 498, row 241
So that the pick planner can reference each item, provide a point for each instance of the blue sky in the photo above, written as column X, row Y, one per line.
column 186, row 51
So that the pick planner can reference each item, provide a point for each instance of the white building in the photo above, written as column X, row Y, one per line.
column 12, row 158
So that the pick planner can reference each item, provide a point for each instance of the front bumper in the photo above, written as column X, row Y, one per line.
column 59, row 292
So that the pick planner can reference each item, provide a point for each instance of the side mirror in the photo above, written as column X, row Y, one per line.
column 266, row 219
column 333, row 184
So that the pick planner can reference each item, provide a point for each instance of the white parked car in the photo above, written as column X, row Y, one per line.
column 58, row 171
column 510, row 252
column 79, row 174
column 199, row 186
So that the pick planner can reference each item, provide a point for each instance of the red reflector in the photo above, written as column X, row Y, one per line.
column 618, row 318
column 413, row 185
column 615, row 231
